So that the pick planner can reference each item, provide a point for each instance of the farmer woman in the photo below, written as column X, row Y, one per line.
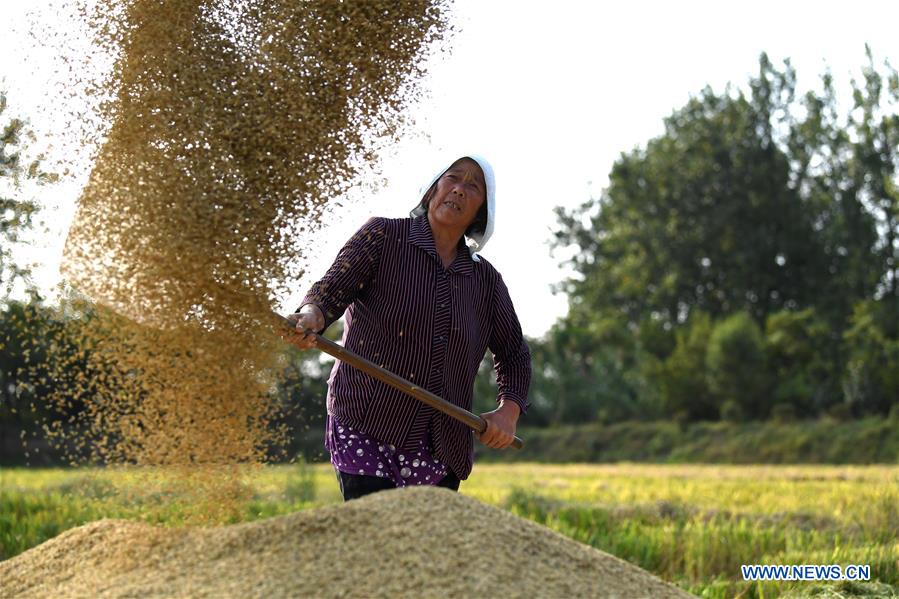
column 421, row 303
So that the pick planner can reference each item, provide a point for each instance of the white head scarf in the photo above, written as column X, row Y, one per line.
column 476, row 241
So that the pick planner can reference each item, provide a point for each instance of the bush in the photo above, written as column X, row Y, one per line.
column 682, row 419
column 783, row 412
column 682, row 376
column 894, row 413
column 735, row 365
column 796, row 346
column 731, row 411
column 840, row 411
column 871, row 383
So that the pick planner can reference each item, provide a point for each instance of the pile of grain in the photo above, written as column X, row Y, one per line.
column 227, row 126
column 405, row 542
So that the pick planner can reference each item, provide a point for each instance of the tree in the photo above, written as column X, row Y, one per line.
column 45, row 374
column 871, row 381
column 586, row 369
column 735, row 365
column 703, row 218
column 682, row 378
column 750, row 202
column 21, row 324
column 16, row 214
column 828, row 177
column 876, row 153
column 795, row 346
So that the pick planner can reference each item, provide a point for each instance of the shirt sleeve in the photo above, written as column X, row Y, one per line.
column 354, row 268
column 511, row 355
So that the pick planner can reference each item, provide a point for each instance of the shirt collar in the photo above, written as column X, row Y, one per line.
column 420, row 235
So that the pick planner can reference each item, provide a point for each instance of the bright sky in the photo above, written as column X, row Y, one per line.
column 551, row 93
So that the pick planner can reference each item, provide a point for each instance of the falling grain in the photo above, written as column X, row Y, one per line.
column 227, row 127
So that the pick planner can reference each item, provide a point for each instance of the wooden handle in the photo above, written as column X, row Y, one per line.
column 473, row 421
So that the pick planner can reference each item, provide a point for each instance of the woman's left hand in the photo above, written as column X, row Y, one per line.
column 501, row 424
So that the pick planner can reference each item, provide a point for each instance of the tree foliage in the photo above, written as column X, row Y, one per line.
column 682, row 375
column 800, row 370
column 872, row 341
column 735, row 365
column 16, row 212
column 732, row 252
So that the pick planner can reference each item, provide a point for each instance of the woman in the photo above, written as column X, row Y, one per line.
column 422, row 303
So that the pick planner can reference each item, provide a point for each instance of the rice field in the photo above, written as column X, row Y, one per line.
column 693, row 525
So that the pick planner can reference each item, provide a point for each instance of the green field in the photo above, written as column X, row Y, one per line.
column 693, row 525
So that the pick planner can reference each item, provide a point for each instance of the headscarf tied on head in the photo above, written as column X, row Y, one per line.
column 476, row 240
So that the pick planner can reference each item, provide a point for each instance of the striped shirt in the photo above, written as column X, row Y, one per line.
column 426, row 323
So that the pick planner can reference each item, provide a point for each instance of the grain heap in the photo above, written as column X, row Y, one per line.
column 229, row 125
column 461, row 548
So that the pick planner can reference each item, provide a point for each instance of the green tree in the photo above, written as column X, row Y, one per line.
column 871, row 381
column 16, row 213
column 41, row 356
column 682, row 378
column 22, row 324
column 703, row 218
column 586, row 370
column 736, row 367
column 750, row 201
column 876, row 155
column 828, row 176
column 796, row 348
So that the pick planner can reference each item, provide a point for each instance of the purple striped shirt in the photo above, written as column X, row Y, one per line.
column 426, row 323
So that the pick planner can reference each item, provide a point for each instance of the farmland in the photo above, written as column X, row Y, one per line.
column 693, row 525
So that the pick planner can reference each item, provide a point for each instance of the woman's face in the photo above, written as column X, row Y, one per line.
column 460, row 192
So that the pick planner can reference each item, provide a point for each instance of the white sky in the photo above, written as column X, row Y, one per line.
column 551, row 93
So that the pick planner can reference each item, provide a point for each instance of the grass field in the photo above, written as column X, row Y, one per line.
column 693, row 525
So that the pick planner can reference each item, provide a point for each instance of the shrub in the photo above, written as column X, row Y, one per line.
column 894, row 413
column 796, row 346
column 682, row 376
column 735, row 365
column 731, row 411
column 871, row 383
column 840, row 411
column 783, row 412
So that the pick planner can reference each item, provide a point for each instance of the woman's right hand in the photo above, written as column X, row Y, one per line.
column 309, row 317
